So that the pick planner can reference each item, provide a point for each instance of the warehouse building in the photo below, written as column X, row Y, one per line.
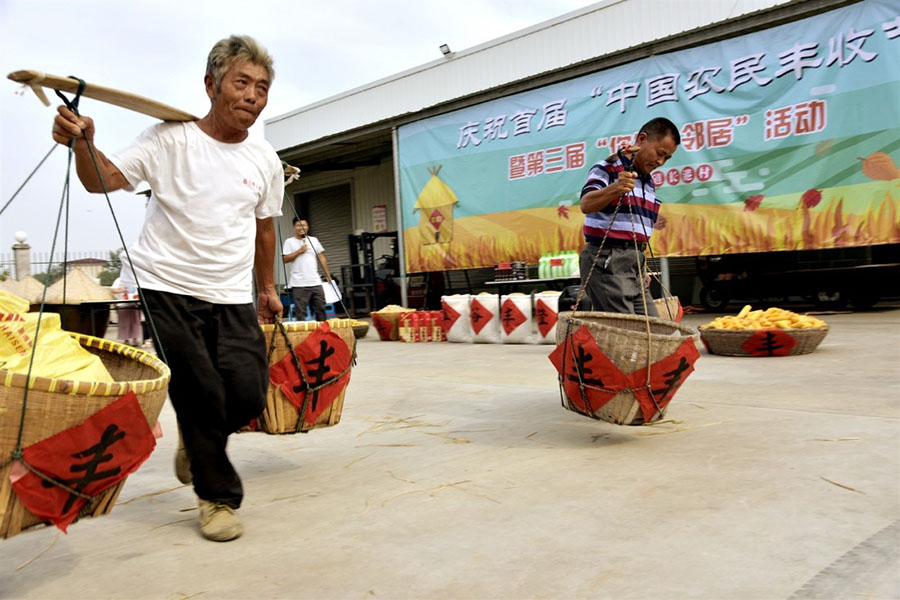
column 348, row 146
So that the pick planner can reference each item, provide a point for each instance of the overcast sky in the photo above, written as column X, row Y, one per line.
column 158, row 48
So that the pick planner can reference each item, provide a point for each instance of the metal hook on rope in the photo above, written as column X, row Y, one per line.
column 291, row 173
column 73, row 104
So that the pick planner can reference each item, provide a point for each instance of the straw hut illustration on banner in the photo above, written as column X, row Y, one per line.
column 436, row 202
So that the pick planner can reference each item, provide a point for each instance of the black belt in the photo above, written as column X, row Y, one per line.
column 614, row 243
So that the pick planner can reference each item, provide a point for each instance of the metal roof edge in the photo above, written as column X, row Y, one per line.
column 602, row 5
column 739, row 25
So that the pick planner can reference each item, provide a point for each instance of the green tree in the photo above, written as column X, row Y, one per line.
column 114, row 263
column 51, row 276
column 113, row 268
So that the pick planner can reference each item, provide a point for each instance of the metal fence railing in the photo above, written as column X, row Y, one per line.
column 41, row 261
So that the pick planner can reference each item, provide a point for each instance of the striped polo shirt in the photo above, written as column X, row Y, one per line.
column 642, row 203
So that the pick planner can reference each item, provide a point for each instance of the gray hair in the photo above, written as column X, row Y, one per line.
column 237, row 48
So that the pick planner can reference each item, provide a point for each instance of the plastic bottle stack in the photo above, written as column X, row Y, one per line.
column 574, row 269
column 562, row 264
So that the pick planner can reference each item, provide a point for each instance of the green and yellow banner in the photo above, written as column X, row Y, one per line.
column 790, row 140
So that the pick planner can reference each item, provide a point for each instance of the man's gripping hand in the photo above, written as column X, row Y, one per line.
column 68, row 126
column 625, row 182
column 268, row 307
column 626, row 178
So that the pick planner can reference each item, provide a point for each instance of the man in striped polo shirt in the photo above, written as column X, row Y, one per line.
column 619, row 203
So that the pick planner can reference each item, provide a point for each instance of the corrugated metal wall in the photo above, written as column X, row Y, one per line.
column 329, row 212
column 597, row 30
column 306, row 184
column 374, row 186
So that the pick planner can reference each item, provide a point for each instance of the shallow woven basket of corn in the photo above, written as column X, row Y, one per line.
column 55, row 405
column 623, row 338
column 728, row 342
column 279, row 415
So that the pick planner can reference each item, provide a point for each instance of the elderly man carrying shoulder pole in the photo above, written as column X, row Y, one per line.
column 208, row 229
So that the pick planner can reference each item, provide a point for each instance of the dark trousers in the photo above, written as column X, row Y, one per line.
column 219, row 381
column 310, row 296
column 615, row 284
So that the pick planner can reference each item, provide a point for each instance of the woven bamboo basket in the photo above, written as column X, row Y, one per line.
column 280, row 416
column 623, row 338
column 360, row 331
column 55, row 405
column 668, row 308
column 729, row 342
column 392, row 317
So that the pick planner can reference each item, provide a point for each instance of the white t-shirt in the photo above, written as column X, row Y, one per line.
column 304, row 268
column 199, row 235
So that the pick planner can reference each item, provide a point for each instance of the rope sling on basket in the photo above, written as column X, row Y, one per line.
column 67, row 446
column 622, row 368
column 309, row 364
column 309, row 370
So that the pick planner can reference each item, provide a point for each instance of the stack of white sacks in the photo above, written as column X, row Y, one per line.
column 510, row 319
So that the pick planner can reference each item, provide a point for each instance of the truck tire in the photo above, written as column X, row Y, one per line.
column 864, row 300
column 713, row 299
column 830, row 299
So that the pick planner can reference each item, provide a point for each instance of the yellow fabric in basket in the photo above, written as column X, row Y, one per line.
column 58, row 354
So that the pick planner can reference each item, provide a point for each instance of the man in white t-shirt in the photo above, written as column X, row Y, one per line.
column 304, row 253
column 208, row 228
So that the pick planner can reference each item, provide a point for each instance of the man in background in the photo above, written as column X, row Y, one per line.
column 304, row 253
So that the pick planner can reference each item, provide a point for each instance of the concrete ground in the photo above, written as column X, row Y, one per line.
column 455, row 473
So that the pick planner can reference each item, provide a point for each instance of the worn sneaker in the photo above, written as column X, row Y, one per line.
column 182, row 463
column 219, row 522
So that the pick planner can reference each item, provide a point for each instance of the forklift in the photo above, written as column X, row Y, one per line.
column 369, row 284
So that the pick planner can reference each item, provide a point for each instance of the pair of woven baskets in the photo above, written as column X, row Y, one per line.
column 55, row 405
column 731, row 342
column 624, row 339
column 279, row 415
